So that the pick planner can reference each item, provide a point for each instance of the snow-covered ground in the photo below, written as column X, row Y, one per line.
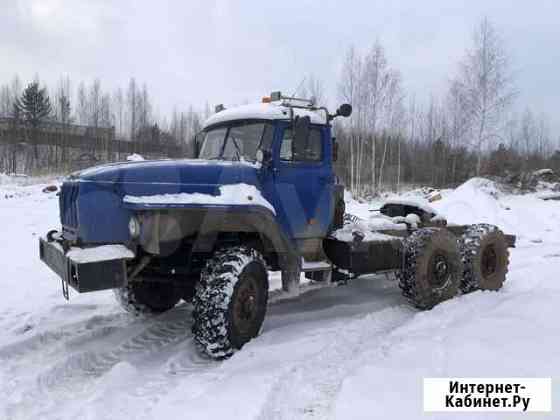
column 349, row 352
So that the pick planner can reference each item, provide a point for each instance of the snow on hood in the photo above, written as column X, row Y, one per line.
column 263, row 111
column 230, row 195
column 172, row 176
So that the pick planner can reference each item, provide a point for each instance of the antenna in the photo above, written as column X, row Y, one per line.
column 299, row 86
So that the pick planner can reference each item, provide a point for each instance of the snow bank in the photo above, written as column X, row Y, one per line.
column 479, row 200
column 230, row 195
column 475, row 201
column 135, row 158
column 20, row 186
column 549, row 195
column 542, row 172
column 22, row 180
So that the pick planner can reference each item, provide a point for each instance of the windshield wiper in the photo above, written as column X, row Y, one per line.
column 237, row 149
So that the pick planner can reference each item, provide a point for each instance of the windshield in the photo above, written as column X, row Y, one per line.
column 239, row 141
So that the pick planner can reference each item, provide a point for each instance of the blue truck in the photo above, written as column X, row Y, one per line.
column 261, row 196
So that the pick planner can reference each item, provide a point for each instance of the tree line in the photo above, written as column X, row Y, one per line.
column 471, row 130
column 37, row 123
column 391, row 138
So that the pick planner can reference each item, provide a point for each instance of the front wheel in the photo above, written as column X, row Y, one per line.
column 145, row 297
column 230, row 301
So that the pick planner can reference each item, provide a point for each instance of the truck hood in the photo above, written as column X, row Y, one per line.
column 171, row 176
column 92, row 197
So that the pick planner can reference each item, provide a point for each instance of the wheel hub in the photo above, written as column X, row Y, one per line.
column 440, row 270
column 245, row 306
column 489, row 261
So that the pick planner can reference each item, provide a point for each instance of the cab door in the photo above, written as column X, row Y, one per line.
column 303, row 181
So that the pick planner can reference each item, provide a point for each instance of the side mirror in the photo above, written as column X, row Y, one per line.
column 344, row 110
column 302, row 127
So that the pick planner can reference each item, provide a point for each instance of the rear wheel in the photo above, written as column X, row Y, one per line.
column 230, row 301
column 485, row 253
column 432, row 267
column 145, row 297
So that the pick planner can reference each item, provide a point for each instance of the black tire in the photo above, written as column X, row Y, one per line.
column 187, row 289
column 432, row 267
column 145, row 297
column 188, row 294
column 485, row 255
column 230, row 301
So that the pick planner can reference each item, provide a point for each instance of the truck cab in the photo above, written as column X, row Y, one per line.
column 293, row 150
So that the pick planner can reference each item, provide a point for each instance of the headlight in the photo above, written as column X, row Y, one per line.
column 134, row 227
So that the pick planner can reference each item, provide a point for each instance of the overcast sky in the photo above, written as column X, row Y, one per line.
column 193, row 51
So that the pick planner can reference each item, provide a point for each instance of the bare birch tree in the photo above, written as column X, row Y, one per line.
column 95, row 104
column 132, row 104
column 118, row 106
column 486, row 86
column 393, row 111
column 349, row 91
column 379, row 78
column 63, row 116
column 82, row 104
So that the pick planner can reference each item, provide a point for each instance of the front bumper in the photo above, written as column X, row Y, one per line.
column 106, row 271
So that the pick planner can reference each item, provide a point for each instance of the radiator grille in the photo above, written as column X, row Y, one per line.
column 68, row 204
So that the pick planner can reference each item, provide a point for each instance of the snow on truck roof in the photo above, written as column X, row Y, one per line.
column 263, row 111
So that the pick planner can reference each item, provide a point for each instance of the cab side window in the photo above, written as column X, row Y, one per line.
column 308, row 151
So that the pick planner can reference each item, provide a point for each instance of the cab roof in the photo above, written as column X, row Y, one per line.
column 264, row 111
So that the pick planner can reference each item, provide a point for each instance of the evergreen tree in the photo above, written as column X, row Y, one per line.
column 34, row 105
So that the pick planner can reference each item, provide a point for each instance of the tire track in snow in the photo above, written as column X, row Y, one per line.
column 308, row 389
column 77, row 373
column 74, row 334
column 153, row 338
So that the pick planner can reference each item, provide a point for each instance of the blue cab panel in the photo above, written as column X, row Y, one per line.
column 91, row 202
